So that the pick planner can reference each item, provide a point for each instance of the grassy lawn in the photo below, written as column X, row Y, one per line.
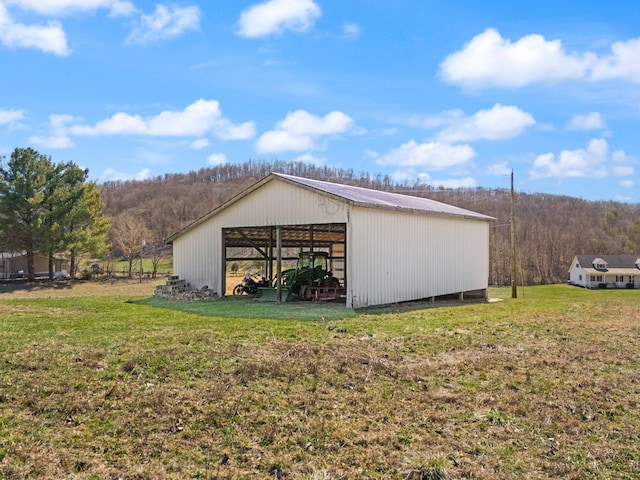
column 98, row 382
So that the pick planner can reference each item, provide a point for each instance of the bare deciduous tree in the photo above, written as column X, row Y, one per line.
column 128, row 235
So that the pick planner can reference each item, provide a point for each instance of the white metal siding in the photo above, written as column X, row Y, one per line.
column 197, row 254
column 398, row 256
column 391, row 256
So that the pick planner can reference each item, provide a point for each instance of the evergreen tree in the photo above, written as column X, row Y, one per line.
column 23, row 212
column 49, row 209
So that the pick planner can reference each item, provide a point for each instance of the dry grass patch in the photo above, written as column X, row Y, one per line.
column 530, row 388
column 78, row 288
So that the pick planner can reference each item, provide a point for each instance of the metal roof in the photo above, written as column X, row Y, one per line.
column 364, row 197
column 377, row 198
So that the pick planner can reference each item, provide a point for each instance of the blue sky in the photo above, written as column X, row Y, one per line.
column 453, row 93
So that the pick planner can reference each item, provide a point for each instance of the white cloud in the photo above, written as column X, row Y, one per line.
column 626, row 183
column 196, row 120
column 466, row 182
column 622, row 170
column 59, row 138
column 282, row 141
column 489, row 60
column 53, row 142
column 429, row 156
column 199, row 144
column 590, row 162
column 300, row 130
column 165, row 22
column 48, row 38
column 351, row 30
column 623, row 63
column 113, row 175
column 243, row 131
column 498, row 123
column 216, row 159
column 302, row 122
column 444, row 118
column 275, row 16
column 310, row 159
column 590, row 121
column 11, row 117
column 63, row 7
column 498, row 169
column 409, row 175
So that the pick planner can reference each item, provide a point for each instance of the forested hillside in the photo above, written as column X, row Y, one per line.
column 550, row 229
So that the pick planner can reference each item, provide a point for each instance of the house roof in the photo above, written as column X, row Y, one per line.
column 357, row 196
column 12, row 254
column 613, row 262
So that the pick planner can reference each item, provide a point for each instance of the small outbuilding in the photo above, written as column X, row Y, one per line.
column 605, row 271
column 383, row 247
column 14, row 265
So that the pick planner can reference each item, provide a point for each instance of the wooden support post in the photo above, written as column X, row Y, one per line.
column 279, row 263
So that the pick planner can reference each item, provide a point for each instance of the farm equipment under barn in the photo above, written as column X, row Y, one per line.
column 308, row 280
column 250, row 284
column 311, row 271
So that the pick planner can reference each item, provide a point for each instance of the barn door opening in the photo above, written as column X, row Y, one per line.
column 252, row 251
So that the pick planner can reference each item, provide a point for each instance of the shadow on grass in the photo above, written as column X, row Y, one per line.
column 20, row 284
column 236, row 308
column 416, row 305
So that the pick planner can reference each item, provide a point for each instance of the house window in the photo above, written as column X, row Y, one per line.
column 580, row 277
column 596, row 278
column 632, row 279
column 577, row 265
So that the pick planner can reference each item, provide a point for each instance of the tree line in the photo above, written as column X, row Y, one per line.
column 53, row 209
column 550, row 229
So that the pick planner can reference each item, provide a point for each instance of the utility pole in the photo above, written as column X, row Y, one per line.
column 514, row 288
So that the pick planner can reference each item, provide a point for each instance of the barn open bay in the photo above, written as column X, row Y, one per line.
column 99, row 386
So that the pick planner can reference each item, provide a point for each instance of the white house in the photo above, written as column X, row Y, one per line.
column 383, row 247
column 605, row 271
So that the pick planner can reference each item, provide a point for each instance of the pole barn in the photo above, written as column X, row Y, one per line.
column 383, row 247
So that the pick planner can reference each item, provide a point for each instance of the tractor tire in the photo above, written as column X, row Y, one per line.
column 305, row 293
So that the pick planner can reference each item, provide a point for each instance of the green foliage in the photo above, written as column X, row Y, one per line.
column 24, row 185
column 49, row 208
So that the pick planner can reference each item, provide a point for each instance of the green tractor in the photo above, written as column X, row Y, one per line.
column 311, row 270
